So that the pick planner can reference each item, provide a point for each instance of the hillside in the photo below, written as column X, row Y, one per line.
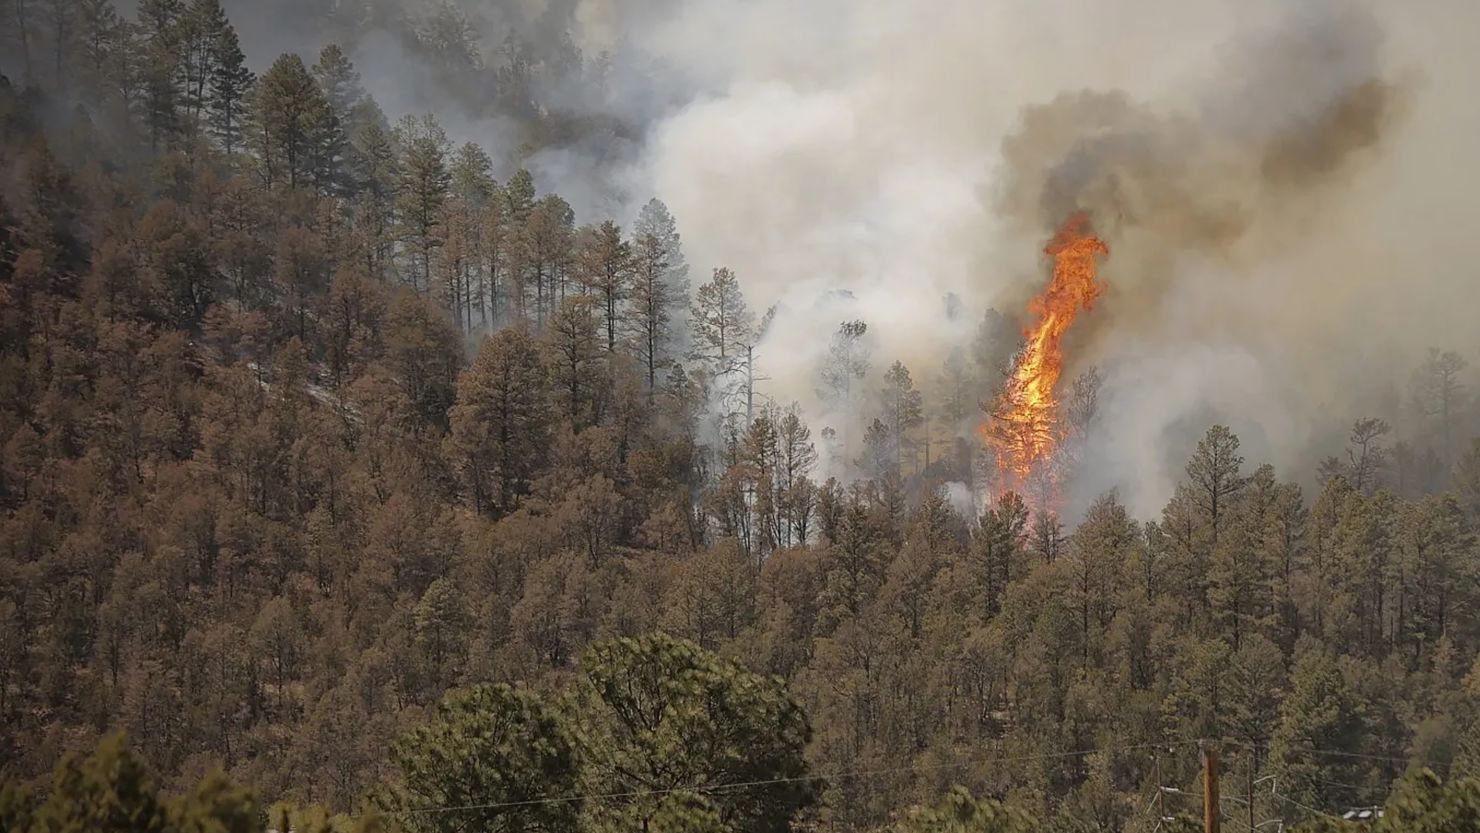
column 311, row 418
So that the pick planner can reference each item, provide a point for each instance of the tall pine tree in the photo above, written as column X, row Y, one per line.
column 423, row 184
column 288, row 114
column 160, row 25
column 229, row 82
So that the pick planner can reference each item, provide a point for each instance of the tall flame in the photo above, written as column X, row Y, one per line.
column 1024, row 425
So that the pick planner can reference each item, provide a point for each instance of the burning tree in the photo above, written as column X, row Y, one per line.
column 1025, row 425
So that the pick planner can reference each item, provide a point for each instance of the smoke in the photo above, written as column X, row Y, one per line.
column 1268, row 175
column 1299, row 107
column 1284, row 187
column 595, row 93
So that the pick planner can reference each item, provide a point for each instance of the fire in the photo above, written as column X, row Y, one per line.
column 1024, row 426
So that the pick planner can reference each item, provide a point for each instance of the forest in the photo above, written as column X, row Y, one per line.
column 350, row 483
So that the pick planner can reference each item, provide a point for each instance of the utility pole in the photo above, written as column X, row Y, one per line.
column 1210, row 787
column 1161, row 794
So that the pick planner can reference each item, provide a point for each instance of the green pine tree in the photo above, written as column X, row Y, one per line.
column 658, row 714
column 421, row 189
column 492, row 751
column 289, row 119
column 229, row 83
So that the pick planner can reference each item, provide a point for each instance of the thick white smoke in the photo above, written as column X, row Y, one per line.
column 835, row 145
column 1278, row 262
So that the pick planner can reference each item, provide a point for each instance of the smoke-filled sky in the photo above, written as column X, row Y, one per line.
column 1285, row 188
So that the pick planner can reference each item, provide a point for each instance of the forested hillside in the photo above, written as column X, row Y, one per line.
column 310, row 418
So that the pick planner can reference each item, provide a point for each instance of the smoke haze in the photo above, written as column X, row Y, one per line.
column 1284, row 187
column 1275, row 182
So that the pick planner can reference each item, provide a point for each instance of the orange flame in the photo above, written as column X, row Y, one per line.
column 1024, row 426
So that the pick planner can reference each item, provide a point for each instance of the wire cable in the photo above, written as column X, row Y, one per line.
column 1336, row 752
column 710, row 788
column 1305, row 807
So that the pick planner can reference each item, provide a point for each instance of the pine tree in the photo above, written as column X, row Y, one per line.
column 501, row 422
column 659, row 288
column 548, row 237
column 425, row 351
column 652, row 305
column 48, row 211
column 996, row 548
column 606, row 264
column 498, row 243
column 1435, row 543
column 347, row 103
column 450, row 40
column 997, row 340
column 959, row 812
column 442, row 621
column 472, row 176
column 880, row 460
column 159, row 16
column 127, row 76
column 796, row 458
column 847, row 363
column 287, row 119
column 1441, row 396
column 1214, row 481
column 467, row 215
column 657, row 692
column 493, row 742
column 160, row 26
column 1367, row 457
column 374, row 205
column 1252, row 692
column 111, row 791
column 1047, row 535
column 901, row 409
column 99, row 29
column 1241, row 571
column 422, row 186
column 230, row 82
column 721, row 324
column 1321, row 712
column 1103, row 542
column 957, row 392
column 519, row 198
column 573, row 343
column 340, row 81
column 1466, row 483
column 203, row 27
column 759, row 458
column 456, row 238
column 654, row 219
column 327, row 162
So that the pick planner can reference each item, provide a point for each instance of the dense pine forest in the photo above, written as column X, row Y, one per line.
column 348, row 473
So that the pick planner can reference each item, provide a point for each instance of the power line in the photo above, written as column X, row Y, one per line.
column 1342, row 754
column 1305, row 807
column 1336, row 752
column 499, row 805
column 867, row 773
column 1359, row 788
column 1274, row 793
